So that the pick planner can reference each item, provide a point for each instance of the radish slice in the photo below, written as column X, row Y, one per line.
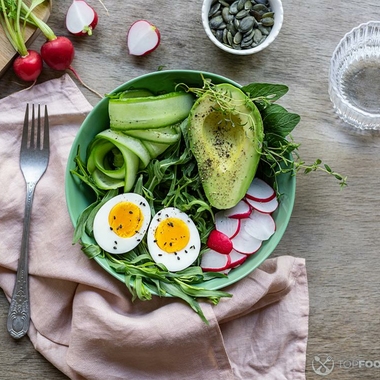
column 81, row 18
column 142, row 38
column 241, row 210
column 213, row 261
column 229, row 226
column 237, row 258
column 259, row 225
column 260, row 191
column 245, row 243
column 264, row 207
column 219, row 242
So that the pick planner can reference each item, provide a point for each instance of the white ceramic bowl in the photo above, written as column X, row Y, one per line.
column 276, row 7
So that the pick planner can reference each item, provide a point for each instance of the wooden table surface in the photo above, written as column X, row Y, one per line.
column 335, row 231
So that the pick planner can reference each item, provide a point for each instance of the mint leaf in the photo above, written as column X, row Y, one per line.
column 278, row 120
column 269, row 91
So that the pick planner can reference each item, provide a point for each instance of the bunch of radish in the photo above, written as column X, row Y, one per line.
column 57, row 52
column 240, row 231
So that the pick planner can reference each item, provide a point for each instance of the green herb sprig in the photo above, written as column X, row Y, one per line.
column 279, row 151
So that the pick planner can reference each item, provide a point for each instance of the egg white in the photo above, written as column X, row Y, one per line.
column 182, row 258
column 106, row 237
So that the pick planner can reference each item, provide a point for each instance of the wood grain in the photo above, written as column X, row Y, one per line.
column 335, row 231
column 8, row 53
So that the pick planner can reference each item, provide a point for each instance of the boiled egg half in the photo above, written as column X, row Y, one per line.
column 173, row 239
column 121, row 223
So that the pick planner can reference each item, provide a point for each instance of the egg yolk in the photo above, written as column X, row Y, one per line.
column 125, row 219
column 172, row 235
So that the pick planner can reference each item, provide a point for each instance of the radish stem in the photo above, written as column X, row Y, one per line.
column 82, row 83
column 13, row 31
column 45, row 29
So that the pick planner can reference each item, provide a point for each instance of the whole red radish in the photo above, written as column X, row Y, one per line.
column 143, row 37
column 219, row 242
column 58, row 53
column 28, row 67
column 81, row 18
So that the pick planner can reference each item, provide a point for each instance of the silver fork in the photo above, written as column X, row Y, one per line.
column 34, row 158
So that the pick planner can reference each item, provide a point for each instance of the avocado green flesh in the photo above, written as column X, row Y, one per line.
column 227, row 147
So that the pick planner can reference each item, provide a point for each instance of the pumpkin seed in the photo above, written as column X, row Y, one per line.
column 219, row 34
column 246, row 24
column 258, row 36
column 234, row 8
column 216, row 22
column 265, row 31
column 237, row 38
column 267, row 21
column 260, row 8
column 231, row 28
column 248, row 5
column 240, row 4
column 241, row 14
column 213, row 9
column 227, row 16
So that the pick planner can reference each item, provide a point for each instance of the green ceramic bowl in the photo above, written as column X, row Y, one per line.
column 78, row 197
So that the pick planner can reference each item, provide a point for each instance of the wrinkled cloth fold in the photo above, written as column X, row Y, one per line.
column 83, row 320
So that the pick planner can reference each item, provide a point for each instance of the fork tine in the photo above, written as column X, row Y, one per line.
column 46, row 130
column 32, row 144
column 38, row 144
column 24, row 140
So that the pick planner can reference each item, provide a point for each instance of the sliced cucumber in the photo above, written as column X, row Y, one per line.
column 155, row 149
column 99, row 159
column 165, row 135
column 149, row 112
column 120, row 139
column 132, row 166
column 132, row 93
column 104, row 182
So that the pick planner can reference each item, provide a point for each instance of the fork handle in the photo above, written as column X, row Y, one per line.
column 19, row 310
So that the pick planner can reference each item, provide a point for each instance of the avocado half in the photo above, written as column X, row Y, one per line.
column 225, row 130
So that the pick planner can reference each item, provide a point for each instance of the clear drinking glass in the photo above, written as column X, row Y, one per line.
column 354, row 83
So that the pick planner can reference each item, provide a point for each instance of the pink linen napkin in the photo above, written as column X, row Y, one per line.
column 83, row 320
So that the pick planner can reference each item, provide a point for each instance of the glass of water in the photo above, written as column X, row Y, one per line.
column 354, row 83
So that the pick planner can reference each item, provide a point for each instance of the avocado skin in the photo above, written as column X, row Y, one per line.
column 227, row 155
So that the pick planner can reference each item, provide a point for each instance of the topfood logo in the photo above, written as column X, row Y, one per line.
column 324, row 364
